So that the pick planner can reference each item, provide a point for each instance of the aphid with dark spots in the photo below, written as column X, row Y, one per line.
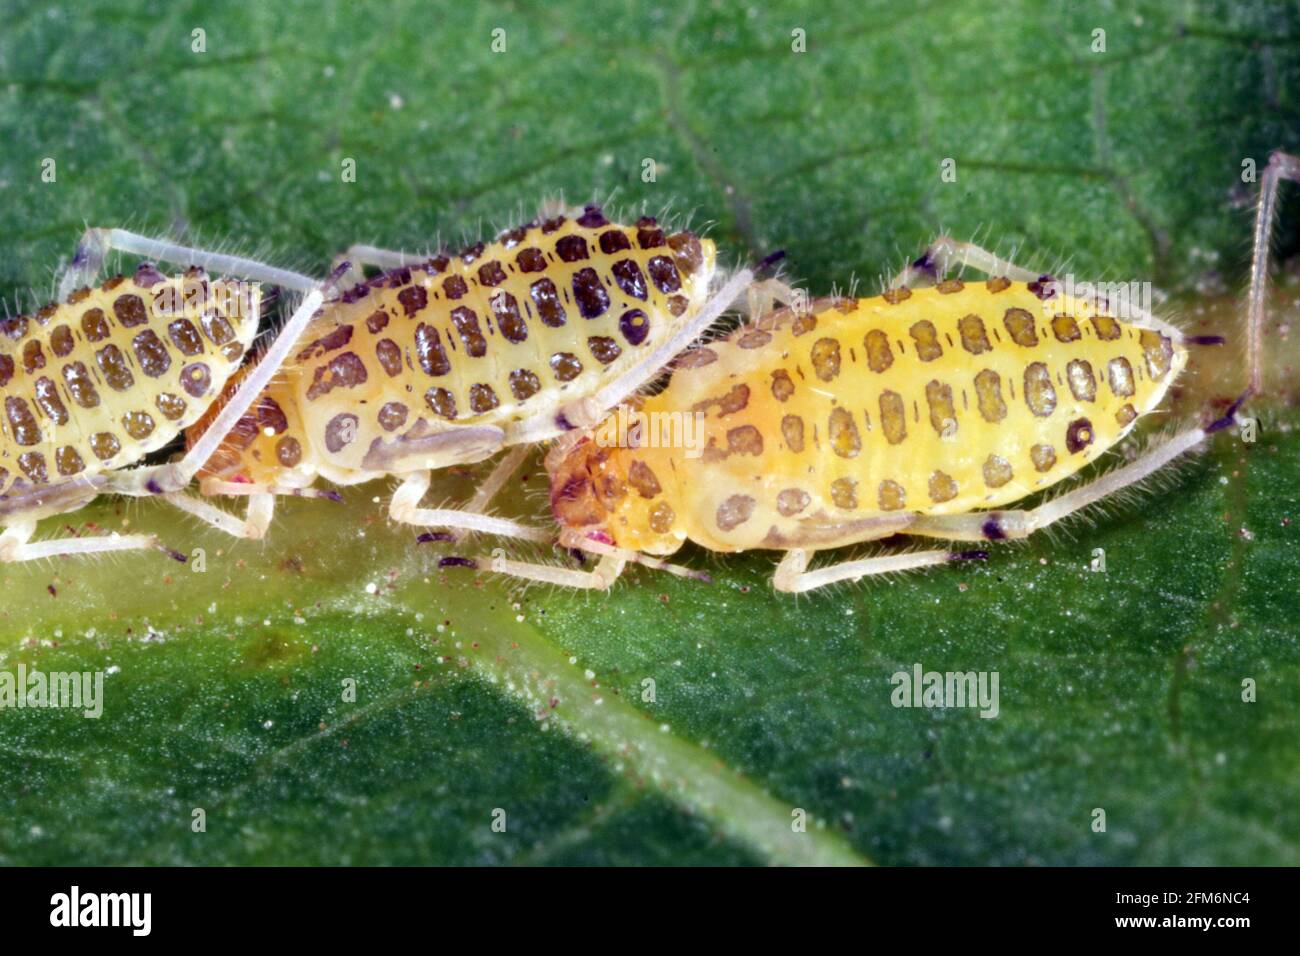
column 113, row 372
column 448, row 361
column 927, row 411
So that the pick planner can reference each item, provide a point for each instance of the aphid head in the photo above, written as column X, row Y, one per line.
column 576, row 474
column 606, row 493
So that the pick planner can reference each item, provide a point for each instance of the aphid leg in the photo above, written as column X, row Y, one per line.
column 588, row 412
column 405, row 508
column 493, row 483
column 16, row 544
column 599, row 578
column 792, row 575
column 360, row 256
column 260, row 509
column 945, row 253
column 96, row 244
column 1280, row 166
column 624, row 554
column 763, row 296
column 175, row 476
column 1000, row 525
column 214, row 487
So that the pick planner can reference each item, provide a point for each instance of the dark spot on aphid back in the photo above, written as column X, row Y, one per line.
column 32, row 464
column 392, row 416
column 1020, row 326
column 466, row 322
column 428, row 350
column 505, row 307
column 635, row 326
column 688, row 254
column 172, row 406
column 614, row 241
column 571, row 248
column 531, row 260
column 547, row 299
column 1044, row 287
column 61, row 341
column 592, row 217
column 112, row 364
column 26, row 431
column 335, row 340
column 566, row 366
column 413, row 299
column 196, row 379
column 183, row 335
column 343, row 371
column 130, row 310
column 491, row 274
column 139, row 425
column 482, row 398
column 524, row 384
column 47, row 399
column 1079, row 435
column 151, row 353
column 389, row 355
column 80, row 386
column 664, row 274
column 649, row 236
column 288, row 451
column 95, row 325
column 441, row 402
column 454, row 287
column 105, row 445
column 340, row 432
column 590, row 294
column 630, row 278
column 603, row 348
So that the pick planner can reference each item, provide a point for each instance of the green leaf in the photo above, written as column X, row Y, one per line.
column 224, row 688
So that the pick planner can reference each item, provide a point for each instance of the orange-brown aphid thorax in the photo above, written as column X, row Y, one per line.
column 606, row 493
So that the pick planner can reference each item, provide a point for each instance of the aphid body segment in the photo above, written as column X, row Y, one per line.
column 96, row 382
column 828, row 428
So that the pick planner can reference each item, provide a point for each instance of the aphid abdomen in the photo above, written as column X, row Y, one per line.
column 545, row 314
column 941, row 401
column 115, row 372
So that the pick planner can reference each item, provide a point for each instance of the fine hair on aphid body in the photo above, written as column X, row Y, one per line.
column 924, row 411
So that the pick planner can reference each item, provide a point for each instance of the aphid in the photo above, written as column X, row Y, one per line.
column 97, row 381
column 448, row 359
column 923, row 411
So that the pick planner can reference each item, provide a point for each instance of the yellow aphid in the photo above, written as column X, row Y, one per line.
column 92, row 384
column 447, row 360
column 452, row 357
column 98, row 381
column 926, row 411
column 937, row 401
